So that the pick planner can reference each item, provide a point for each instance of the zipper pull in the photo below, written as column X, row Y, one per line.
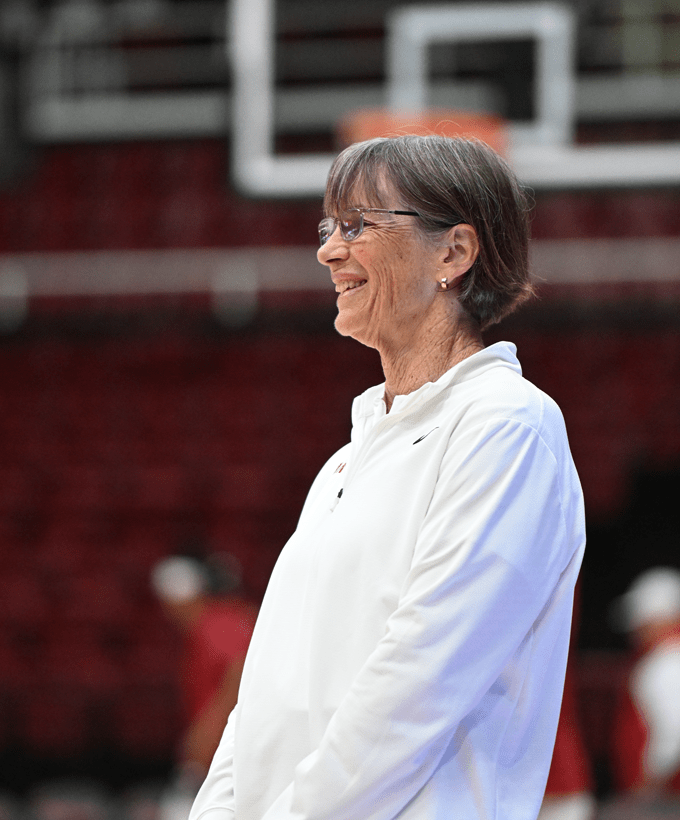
column 336, row 500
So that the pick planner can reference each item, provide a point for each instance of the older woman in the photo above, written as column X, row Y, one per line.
column 409, row 656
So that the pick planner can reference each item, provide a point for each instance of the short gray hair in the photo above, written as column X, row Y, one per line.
column 449, row 181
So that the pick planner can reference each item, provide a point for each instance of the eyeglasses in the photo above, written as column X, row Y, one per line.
column 351, row 222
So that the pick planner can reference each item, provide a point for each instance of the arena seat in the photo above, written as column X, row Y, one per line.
column 16, row 670
column 24, row 604
column 99, row 600
column 54, row 720
column 16, row 488
column 79, row 657
column 144, row 721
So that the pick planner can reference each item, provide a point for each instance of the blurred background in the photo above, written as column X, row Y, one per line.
column 169, row 371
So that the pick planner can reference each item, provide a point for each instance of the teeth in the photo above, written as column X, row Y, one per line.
column 352, row 285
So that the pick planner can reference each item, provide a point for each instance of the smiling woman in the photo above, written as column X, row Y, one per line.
column 391, row 299
column 447, row 182
column 409, row 657
column 469, row 239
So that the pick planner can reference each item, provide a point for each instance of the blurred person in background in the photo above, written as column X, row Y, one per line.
column 409, row 656
column 646, row 751
column 569, row 792
column 68, row 799
column 202, row 598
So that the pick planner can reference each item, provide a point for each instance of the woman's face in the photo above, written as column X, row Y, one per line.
column 386, row 278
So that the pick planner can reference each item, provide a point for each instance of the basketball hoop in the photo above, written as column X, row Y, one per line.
column 367, row 123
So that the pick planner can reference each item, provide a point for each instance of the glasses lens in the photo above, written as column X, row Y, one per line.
column 351, row 224
column 326, row 228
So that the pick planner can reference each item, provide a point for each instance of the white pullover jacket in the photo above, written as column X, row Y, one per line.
column 409, row 656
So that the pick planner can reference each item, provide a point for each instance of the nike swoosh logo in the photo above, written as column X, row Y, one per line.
column 426, row 435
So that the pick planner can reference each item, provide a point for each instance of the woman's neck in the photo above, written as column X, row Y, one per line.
column 427, row 358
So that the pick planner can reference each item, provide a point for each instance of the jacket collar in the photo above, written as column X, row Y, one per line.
column 369, row 407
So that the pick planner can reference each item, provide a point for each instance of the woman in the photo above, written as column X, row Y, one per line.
column 409, row 656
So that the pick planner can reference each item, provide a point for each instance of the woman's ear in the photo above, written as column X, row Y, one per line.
column 460, row 248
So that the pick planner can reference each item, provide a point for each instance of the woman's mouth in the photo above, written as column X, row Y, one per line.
column 346, row 287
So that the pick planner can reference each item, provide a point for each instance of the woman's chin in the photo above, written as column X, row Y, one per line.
column 343, row 324
column 348, row 325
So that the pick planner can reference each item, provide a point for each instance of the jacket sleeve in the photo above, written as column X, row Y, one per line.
column 215, row 799
column 488, row 558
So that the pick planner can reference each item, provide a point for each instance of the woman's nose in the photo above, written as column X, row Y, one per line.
column 334, row 248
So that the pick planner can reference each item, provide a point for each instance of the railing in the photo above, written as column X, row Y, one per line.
column 106, row 71
column 167, row 68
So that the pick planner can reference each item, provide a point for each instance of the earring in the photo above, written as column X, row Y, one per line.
column 443, row 284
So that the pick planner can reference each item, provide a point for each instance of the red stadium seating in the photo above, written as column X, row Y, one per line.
column 114, row 448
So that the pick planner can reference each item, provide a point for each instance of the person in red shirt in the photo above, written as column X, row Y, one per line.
column 646, row 748
column 202, row 598
column 569, row 792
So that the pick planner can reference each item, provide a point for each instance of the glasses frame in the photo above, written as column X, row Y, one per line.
column 328, row 225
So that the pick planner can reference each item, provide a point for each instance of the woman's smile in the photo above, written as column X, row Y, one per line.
column 347, row 287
